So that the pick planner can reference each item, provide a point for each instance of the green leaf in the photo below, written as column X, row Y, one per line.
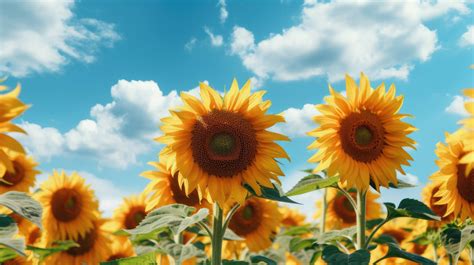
column 299, row 230
column 401, row 185
column 176, row 217
column 58, row 246
column 297, row 244
column 385, row 239
column 260, row 258
column 7, row 254
column 394, row 251
column 274, row 194
column 231, row 235
column 312, row 183
column 410, row 208
column 332, row 235
column 8, row 229
column 370, row 224
column 333, row 256
column 455, row 240
column 234, row 262
column 148, row 258
column 23, row 205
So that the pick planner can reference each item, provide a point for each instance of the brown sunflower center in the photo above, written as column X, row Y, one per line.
column 343, row 208
column 134, row 217
column 419, row 249
column 180, row 196
column 66, row 204
column 362, row 136
column 86, row 243
column 13, row 177
column 247, row 219
column 465, row 184
column 223, row 143
column 34, row 236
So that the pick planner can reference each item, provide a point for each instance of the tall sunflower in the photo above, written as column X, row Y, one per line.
column 219, row 143
column 91, row 250
column 256, row 221
column 165, row 188
column 361, row 137
column 339, row 211
column 23, row 176
column 69, row 206
column 455, row 186
column 129, row 214
column 429, row 198
column 10, row 108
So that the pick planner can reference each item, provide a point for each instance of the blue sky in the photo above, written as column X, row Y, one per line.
column 100, row 74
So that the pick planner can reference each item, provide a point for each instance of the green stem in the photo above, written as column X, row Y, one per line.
column 217, row 235
column 349, row 198
column 323, row 217
column 369, row 239
column 229, row 216
column 360, row 211
column 435, row 254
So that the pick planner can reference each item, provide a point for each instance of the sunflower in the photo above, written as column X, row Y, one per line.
column 129, row 214
column 339, row 211
column 361, row 137
column 120, row 250
column 10, row 108
column 455, row 186
column 165, row 189
column 24, row 225
column 256, row 221
column 429, row 198
column 291, row 217
column 23, row 176
column 219, row 143
column 18, row 260
column 468, row 158
column 91, row 249
column 69, row 206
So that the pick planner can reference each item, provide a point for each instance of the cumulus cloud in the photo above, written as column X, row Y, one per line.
column 216, row 40
column 43, row 36
column 298, row 121
column 467, row 39
column 457, row 106
column 382, row 39
column 189, row 46
column 223, row 13
column 116, row 133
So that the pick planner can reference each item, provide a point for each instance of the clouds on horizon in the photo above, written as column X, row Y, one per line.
column 43, row 36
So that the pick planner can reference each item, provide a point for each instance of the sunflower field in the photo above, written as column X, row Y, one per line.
column 214, row 193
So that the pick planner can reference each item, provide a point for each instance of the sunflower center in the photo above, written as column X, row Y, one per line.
column 13, row 177
column 134, row 217
column 362, row 136
column 179, row 195
column 419, row 249
column 343, row 208
column 465, row 183
column 34, row 236
column 223, row 143
column 247, row 219
column 66, row 204
column 86, row 243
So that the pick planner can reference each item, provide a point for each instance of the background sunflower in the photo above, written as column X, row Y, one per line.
column 23, row 176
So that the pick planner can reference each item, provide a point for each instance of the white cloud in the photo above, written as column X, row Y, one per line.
column 409, row 178
column 457, row 106
column 382, row 39
column 116, row 133
column 298, row 121
column 256, row 82
column 467, row 39
column 216, row 40
column 223, row 13
column 189, row 46
column 41, row 36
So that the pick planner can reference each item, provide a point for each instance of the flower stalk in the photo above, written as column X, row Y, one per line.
column 360, row 212
column 217, row 235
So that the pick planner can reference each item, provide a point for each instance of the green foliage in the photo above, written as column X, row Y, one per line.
column 333, row 256
column 311, row 183
column 262, row 259
column 401, row 185
column 176, row 217
column 7, row 254
column 148, row 258
column 180, row 252
column 23, row 205
column 410, row 208
column 58, row 246
column 394, row 251
column 274, row 194
column 8, row 229
column 346, row 233
column 455, row 240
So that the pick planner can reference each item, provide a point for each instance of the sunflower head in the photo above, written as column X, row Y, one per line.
column 129, row 214
column 361, row 137
column 120, row 250
column 454, row 181
column 291, row 217
column 69, row 206
column 430, row 199
column 256, row 221
column 218, row 143
column 23, row 176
